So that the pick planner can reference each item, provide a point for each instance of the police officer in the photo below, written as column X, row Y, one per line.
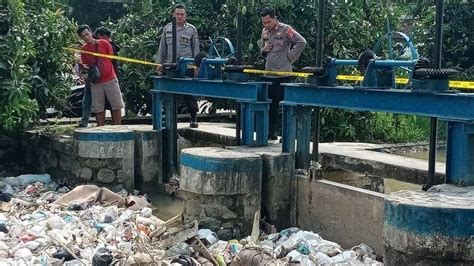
column 282, row 46
column 187, row 46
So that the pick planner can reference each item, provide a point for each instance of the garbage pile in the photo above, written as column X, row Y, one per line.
column 289, row 247
column 43, row 223
column 40, row 224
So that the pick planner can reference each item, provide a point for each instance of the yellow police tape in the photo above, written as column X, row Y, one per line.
column 452, row 83
column 469, row 85
column 277, row 73
column 121, row 58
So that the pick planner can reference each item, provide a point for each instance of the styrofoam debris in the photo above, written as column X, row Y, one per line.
column 323, row 258
column 294, row 256
column 32, row 245
column 306, row 260
column 146, row 212
column 55, row 222
column 344, row 256
column 23, row 253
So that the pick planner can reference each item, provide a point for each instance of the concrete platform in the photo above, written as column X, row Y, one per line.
column 428, row 228
column 357, row 157
column 221, row 187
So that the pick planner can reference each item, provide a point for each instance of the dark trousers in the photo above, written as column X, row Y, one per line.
column 190, row 101
column 276, row 93
column 191, row 104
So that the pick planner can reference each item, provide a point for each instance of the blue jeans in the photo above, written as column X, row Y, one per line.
column 86, row 107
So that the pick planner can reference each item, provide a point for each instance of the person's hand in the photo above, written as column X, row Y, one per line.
column 83, row 67
column 267, row 48
column 159, row 70
column 196, row 72
column 81, row 80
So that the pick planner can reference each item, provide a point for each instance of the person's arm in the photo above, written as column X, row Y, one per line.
column 161, row 54
column 86, row 59
column 267, row 46
column 195, row 40
column 77, row 75
column 162, row 49
column 108, row 48
column 298, row 43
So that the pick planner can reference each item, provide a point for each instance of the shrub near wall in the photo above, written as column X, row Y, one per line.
column 35, row 72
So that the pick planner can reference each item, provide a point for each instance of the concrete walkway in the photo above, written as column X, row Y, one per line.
column 359, row 157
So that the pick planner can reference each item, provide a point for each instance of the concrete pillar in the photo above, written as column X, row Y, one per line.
column 221, row 189
column 148, row 159
column 276, row 188
column 109, row 145
column 430, row 228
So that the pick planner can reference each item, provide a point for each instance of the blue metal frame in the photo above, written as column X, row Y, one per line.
column 448, row 106
column 225, row 42
column 250, row 91
column 388, row 36
column 211, row 68
column 413, row 53
column 380, row 73
column 460, row 154
column 252, row 97
column 330, row 74
column 456, row 108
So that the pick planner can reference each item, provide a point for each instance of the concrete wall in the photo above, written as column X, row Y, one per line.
column 405, row 172
column 9, row 150
column 209, row 138
column 344, row 214
column 105, row 163
column 341, row 213
column 56, row 156
column 147, row 160
column 434, row 228
column 276, row 188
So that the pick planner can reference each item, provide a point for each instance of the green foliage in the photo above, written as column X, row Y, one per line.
column 458, row 34
column 93, row 12
column 341, row 125
column 350, row 28
column 458, row 39
column 398, row 128
column 34, row 69
column 138, row 35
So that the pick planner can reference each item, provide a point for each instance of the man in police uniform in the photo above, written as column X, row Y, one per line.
column 282, row 46
column 187, row 45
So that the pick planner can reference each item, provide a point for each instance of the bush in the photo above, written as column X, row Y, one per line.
column 34, row 68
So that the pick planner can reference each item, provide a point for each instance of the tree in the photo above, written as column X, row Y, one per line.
column 35, row 71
